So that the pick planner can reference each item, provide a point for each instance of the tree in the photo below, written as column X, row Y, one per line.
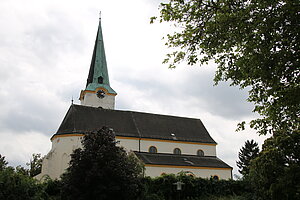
column 275, row 173
column 255, row 45
column 3, row 163
column 16, row 184
column 21, row 170
column 101, row 170
column 35, row 164
column 246, row 154
column 53, row 188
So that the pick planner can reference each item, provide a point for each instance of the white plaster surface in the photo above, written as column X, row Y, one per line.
column 91, row 99
column 57, row 160
column 168, row 147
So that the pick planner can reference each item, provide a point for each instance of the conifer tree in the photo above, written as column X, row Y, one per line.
column 275, row 173
column 246, row 154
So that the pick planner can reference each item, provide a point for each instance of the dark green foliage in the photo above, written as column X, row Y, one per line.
column 21, row 170
column 194, row 188
column 35, row 165
column 53, row 189
column 255, row 44
column 246, row 154
column 101, row 170
column 3, row 162
column 275, row 173
column 17, row 186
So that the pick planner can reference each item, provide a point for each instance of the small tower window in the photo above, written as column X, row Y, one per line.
column 200, row 153
column 152, row 149
column 100, row 79
column 177, row 151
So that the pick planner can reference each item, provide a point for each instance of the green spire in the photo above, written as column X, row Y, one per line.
column 98, row 75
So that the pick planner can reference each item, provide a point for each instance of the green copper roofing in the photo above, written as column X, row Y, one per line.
column 98, row 75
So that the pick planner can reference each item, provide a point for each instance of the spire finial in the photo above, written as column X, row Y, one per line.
column 72, row 100
column 99, row 15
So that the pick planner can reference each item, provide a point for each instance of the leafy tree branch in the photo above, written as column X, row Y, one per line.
column 255, row 45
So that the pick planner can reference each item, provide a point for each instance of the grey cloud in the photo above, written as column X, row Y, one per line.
column 52, row 41
column 222, row 100
column 31, row 118
column 26, row 111
column 25, row 63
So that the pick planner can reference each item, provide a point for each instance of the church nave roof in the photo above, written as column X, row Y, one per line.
column 81, row 119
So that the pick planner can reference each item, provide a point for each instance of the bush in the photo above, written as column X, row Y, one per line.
column 15, row 186
column 194, row 188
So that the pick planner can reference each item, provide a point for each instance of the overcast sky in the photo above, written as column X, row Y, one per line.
column 45, row 52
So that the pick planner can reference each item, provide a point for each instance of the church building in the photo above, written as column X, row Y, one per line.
column 165, row 144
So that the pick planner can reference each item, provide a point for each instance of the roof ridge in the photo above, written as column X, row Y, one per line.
column 139, row 112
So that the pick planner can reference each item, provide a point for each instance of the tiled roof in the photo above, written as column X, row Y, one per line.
column 81, row 119
column 181, row 160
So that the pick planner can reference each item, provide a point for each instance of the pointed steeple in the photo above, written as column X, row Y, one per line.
column 98, row 92
column 98, row 74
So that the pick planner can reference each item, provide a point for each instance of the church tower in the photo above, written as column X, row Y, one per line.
column 98, row 92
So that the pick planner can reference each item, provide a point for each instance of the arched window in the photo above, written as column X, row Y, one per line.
column 177, row 151
column 152, row 149
column 100, row 79
column 200, row 153
column 215, row 177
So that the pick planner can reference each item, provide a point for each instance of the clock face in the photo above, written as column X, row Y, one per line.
column 100, row 94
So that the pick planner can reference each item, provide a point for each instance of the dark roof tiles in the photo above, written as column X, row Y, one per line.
column 181, row 160
column 80, row 119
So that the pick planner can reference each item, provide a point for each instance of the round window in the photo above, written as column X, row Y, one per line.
column 177, row 151
column 152, row 149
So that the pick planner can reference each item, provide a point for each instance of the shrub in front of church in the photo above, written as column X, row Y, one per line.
column 15, row 183
column 101, row 170
column 164, row 188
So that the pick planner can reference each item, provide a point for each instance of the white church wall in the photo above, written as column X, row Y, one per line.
column 65, row 159
column 91, row 99
column 57, row 160
column 167, row 147
column 128, row 144
column 154, row 171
